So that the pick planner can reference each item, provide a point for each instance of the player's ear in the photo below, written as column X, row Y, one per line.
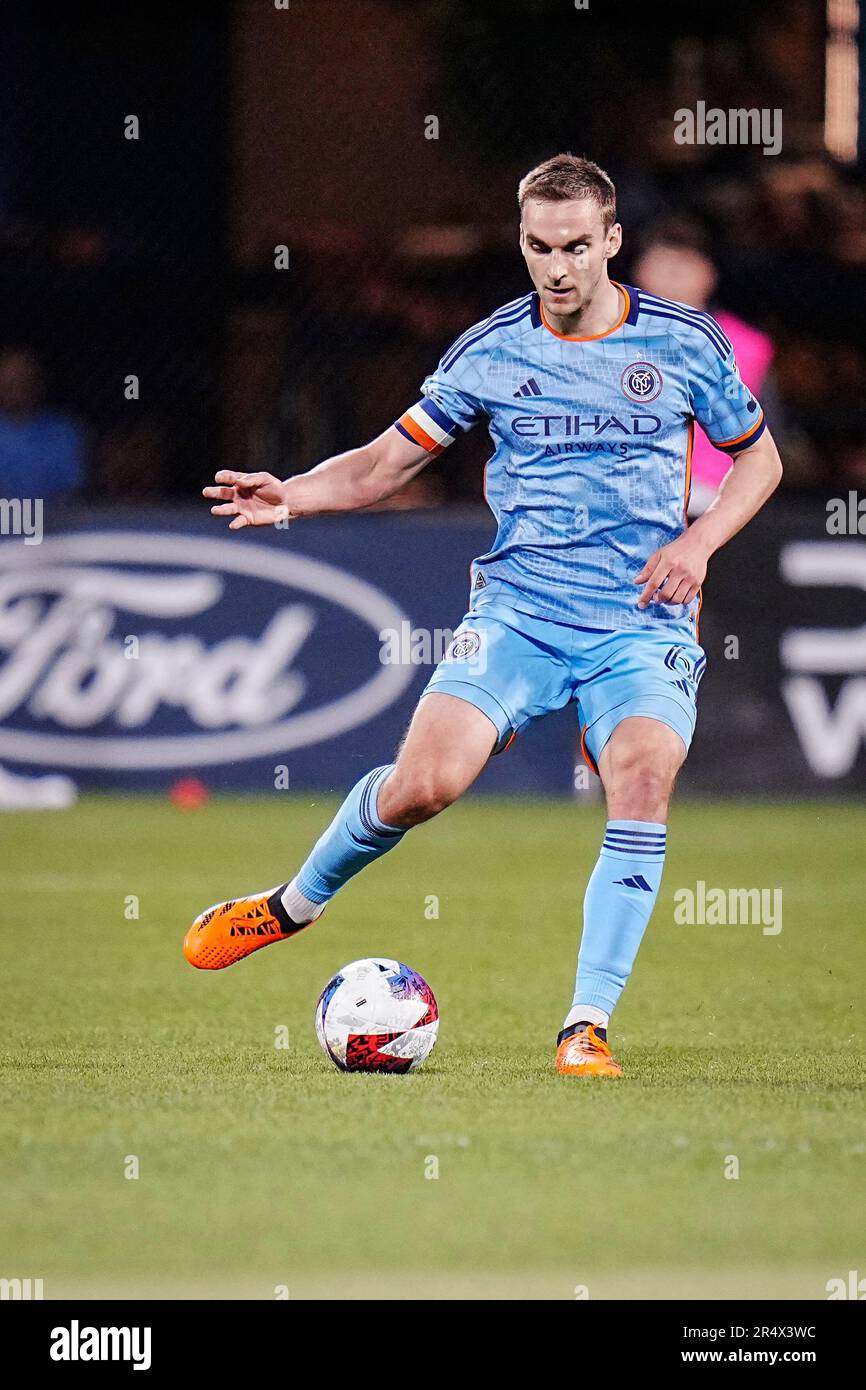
column 614, row 241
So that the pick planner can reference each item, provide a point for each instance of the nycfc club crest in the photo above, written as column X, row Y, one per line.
column 471, row 647
column 641, row 381
column 464, row 646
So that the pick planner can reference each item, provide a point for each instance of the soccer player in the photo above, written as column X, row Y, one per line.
column 590, row 591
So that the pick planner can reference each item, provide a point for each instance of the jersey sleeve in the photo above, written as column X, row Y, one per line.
column 721, row 401
column 450, row 402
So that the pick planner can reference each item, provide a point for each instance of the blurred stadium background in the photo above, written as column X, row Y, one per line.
column 275, row 219
column 240, row 234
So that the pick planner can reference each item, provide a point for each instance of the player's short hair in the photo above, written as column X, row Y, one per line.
column 567, row 176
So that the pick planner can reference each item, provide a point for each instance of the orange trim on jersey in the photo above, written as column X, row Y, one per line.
column 729, row 443
column 698, row 615
column 689, row 447
column 587, row 756
column 593, row 337
column 505, row 747
column 419, row 435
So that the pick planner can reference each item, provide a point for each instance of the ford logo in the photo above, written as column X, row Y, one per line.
column 155, row 650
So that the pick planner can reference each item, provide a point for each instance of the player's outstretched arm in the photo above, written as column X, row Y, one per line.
column 675, row 573
column 345, row 483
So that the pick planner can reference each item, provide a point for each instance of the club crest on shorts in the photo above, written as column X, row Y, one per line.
column 641, row 381
column 464, row 645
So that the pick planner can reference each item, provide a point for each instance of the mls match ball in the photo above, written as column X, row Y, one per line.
column 377, row 1015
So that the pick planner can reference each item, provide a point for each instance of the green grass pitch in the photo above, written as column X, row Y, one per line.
column 261, row 1168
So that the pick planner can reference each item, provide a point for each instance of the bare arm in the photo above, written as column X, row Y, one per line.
column 344, row 483
column 678, row 570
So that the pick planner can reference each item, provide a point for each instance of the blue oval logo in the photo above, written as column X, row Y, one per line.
column 147, row 650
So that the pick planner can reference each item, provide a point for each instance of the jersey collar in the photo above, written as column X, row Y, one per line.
column 627, row 316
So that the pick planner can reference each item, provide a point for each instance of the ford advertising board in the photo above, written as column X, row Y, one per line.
column 140, row 646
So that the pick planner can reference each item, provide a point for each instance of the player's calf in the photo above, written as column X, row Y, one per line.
column 447, row 745
column 638, row 765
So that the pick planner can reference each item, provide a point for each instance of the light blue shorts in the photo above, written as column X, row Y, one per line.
column 516, row 667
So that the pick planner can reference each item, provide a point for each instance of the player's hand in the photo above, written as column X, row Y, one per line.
column 673, row 574
column 253, row 499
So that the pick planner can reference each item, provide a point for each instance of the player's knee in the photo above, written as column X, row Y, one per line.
column 639, row 765
column 641, row 792
column 639, row 785
column 417, row 795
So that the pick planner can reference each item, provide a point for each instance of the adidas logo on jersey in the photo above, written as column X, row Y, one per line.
column 529, row 388
column 635, row 881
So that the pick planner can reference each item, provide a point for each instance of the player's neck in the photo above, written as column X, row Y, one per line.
column 599, row 315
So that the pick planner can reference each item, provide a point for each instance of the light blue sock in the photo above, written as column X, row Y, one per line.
column 353, row 840
column 620, row 897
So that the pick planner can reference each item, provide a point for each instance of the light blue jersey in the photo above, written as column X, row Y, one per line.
column 591, row 468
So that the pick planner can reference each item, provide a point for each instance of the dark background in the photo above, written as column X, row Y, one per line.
column 305, row 127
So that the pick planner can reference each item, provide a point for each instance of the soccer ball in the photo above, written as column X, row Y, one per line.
column 377, row 1015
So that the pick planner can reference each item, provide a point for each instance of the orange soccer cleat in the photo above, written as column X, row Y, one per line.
column 227, row 932
column 584, row 1053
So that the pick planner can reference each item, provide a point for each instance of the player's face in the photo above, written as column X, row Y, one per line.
column 566, row 250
